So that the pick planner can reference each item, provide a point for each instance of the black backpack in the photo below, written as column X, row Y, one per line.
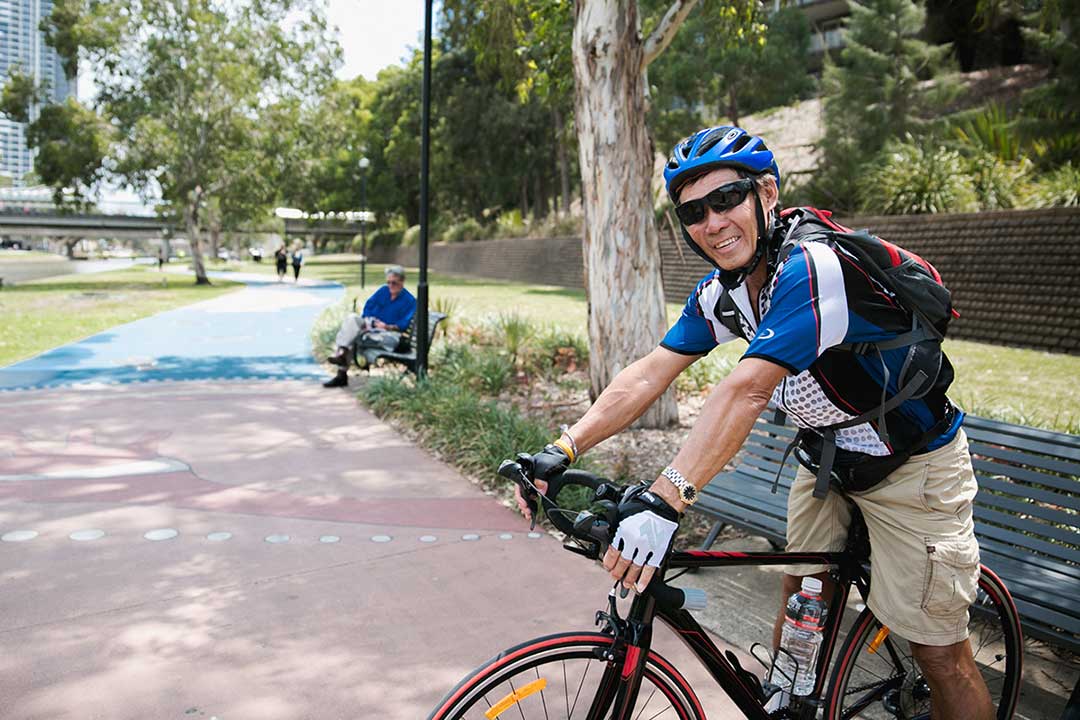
column 914, row 286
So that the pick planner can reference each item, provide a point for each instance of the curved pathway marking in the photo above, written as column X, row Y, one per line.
column 259, row 332
column 187, row 491
column 72, row 471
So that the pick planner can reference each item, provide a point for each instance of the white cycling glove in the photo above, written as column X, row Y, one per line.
column 644, row 537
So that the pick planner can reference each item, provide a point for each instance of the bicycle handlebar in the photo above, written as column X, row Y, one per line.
column 592, row 530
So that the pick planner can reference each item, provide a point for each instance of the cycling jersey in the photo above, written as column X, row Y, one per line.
column 816, row 299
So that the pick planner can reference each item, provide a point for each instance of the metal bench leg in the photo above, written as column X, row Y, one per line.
column 714, row 533
column 1072, row 710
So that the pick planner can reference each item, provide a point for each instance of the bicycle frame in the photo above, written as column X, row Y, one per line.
column 621, row 691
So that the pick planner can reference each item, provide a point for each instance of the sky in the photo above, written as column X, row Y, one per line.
column 373, row 34
column 376, row 33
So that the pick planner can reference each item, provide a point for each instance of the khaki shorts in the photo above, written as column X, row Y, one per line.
column 923, row 553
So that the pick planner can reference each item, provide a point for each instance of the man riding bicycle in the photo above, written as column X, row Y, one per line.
column 809, row 311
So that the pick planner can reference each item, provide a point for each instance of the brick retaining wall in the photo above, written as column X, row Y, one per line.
column 1015, row 276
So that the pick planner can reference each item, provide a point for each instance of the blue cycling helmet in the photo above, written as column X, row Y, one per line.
column 724, row 146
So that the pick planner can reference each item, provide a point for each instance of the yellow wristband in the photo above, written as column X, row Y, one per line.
column 565, row 448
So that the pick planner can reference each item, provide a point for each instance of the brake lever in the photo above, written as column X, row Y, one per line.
column 516, row 471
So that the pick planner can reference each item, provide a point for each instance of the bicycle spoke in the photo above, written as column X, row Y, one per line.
column 527, row 681
column 576, row 696
column 647, row 701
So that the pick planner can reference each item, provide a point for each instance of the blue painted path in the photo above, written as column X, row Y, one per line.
column 259, row 332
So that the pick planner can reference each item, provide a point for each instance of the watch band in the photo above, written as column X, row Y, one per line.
column 687, row 492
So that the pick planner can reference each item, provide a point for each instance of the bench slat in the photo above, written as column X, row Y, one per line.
column 1047, row 514
column 1016, row 457
column 989, row 467
column 1018, row 539
column 1025, row 490
column 1007, row 550
column 1023, row 432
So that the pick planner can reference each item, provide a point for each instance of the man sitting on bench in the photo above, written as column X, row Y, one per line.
column 387, row 313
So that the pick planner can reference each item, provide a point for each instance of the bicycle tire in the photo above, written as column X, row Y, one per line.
column 880, row 680
column 564, row 661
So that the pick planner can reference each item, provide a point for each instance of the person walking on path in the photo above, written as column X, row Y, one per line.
column 387, row 313
column 161, row 258
column 297, row 261
column 281, row 259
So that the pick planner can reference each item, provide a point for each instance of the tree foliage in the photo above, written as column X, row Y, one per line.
column 194, row 91
column 727, row 61
column 877, row 91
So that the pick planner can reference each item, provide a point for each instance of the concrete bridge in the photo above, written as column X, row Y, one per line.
column 132, row 227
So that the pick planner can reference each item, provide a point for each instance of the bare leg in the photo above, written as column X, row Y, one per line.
column 957, row 690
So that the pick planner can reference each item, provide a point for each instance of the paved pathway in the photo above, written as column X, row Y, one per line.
column 263, row 549
column 260, row 332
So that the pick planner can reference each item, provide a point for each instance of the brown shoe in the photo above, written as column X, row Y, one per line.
column 340, row 358
column 339, row 380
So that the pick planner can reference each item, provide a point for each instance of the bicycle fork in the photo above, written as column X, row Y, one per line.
column 624, row 658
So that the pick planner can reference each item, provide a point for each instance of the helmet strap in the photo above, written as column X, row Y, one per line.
column 731, row 279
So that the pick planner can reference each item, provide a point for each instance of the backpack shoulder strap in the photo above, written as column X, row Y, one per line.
column 728, row 314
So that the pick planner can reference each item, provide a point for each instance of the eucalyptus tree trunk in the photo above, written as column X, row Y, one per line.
column 191, row 222
column 621, row 243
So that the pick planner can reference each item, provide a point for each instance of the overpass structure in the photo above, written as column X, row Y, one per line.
column 134, row 227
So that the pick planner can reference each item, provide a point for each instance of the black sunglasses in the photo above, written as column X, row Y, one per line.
column 720, row 200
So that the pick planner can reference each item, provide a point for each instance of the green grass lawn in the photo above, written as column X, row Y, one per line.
column 1027, row 386
column 43, row 314
column 9, row 256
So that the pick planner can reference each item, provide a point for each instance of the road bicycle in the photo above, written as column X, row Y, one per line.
column 614, row 673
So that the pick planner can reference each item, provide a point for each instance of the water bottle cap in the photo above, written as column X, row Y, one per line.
column 811, row 585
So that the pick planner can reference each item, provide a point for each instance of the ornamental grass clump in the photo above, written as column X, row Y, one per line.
column 916, row 177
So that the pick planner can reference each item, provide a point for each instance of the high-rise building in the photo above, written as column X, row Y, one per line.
column 22, row 45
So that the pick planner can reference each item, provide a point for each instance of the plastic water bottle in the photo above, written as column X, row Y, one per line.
column 801, row 637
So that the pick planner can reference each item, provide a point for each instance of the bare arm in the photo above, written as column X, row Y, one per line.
column 628, row 396
column 724, row 424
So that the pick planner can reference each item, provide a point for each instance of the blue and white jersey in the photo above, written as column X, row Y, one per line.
column 816, row 299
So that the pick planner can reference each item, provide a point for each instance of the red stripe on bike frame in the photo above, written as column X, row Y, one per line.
column 633, row 652
column 716, row 554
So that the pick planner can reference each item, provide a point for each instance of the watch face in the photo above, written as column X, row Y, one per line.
column 689, row 493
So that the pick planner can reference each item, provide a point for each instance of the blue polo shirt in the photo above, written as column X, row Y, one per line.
column 398, row 311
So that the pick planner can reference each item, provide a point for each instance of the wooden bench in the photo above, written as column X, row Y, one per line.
column 406, row 357
column 1026, row 512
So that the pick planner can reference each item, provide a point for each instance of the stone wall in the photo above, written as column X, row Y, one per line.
column 1015, row 276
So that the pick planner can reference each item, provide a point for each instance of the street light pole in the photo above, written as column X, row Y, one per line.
column 425, row 142
column 364, row 163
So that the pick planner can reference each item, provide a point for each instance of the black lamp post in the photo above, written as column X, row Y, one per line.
column 364, row 163
column 425, row 142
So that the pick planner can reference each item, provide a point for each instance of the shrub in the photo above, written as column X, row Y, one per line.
column 914, row 177
column 999, row 185
column 700, row 377
column 465, row 231
column 324, row 330
column 515, row 331
column 558, row 350
column 991, row 131
column 1059, row 188
column 381, row 238
column 510, row 224
column 411, row 236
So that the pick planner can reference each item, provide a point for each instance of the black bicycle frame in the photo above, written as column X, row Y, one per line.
column 624, row 680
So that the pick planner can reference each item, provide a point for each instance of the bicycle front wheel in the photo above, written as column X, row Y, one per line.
column 562, row 676
column 880, row 681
